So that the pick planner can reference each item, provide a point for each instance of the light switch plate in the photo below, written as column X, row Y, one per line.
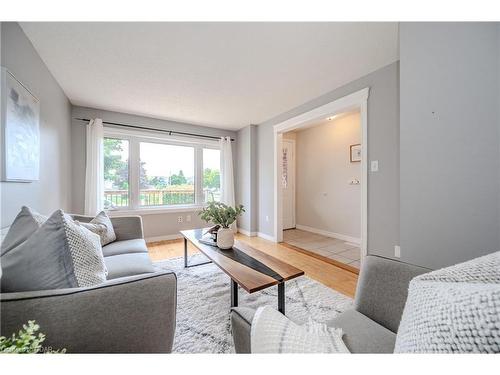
column 397, row 251
column 374, row 166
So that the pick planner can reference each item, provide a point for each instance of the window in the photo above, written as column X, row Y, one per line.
column 167, row 175
column 116, row 173
column 211, row 174
column 144, row 172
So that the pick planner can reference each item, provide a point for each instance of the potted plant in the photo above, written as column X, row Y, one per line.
column 223, row 215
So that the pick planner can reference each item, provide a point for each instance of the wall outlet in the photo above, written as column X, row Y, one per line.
column 397, row 251
column 179, row 219
column 188, row 218
column 374, row 166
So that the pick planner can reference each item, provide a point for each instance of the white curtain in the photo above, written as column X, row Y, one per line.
column 94, row 170
column 226, row 173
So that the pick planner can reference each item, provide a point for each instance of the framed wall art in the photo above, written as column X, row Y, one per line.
column 20, row 130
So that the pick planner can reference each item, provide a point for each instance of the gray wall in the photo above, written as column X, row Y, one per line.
column 449, row 142
column 324, row 198
column 383, row 140
column 246, row 176
column 53, row 190
column 155, row 225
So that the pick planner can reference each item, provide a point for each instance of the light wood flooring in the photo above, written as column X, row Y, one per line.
column 328, row 274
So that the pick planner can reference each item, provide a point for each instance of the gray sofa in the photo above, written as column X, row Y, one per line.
column 372, row 325
column 134, row 311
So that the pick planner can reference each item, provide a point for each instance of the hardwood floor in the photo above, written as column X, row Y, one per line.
column 328, row 274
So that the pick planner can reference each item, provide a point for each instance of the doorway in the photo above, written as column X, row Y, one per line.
column 324, row 172
column 355, row 101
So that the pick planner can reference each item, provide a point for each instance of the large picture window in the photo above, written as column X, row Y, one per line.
column 149, row 173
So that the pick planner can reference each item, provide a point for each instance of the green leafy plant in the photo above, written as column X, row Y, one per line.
column 26, row 341
column 221, row 214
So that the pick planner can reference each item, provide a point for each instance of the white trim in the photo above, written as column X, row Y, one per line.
column 154, row 211
column 326, row 233
column 355, row 100
column 266, row 236
column 247, row 233
column 163, row 238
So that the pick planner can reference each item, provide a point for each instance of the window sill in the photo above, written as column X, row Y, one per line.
column 154, row 211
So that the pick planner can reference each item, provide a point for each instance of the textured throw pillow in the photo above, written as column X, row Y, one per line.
column 25, row 224
column 102, row 226
column 60, row 254
column 272, row 332
column 453, row 310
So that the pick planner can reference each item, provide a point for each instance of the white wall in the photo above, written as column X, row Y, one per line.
column 325, row 199
column 53, row 190
column 449, row 142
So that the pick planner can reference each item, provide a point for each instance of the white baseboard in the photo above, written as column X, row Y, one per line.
column 163, row 238
column 266, row 236
column 247, row 233
column 342, row 237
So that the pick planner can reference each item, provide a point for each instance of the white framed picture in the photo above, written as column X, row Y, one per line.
column 355, row 153
column 20, row 131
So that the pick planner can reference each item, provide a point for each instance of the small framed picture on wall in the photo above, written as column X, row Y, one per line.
column 355, row 153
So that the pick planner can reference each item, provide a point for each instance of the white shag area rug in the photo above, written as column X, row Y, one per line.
column 203, row 304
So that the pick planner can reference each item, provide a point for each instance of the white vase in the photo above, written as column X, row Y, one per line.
column 225, row 238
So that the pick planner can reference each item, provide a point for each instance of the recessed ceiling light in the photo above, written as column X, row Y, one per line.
column 331, row 118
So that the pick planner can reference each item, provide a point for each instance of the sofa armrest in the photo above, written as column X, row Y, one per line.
column 127, row 227
column 128, row 315
column 241, row 327
column 383, row 288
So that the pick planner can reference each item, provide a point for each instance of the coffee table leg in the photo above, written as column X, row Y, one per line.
column 281, row 297
column 234, row 293
column 185, row 252
column 186, row 265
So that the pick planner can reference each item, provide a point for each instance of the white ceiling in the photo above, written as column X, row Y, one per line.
column 225, row 75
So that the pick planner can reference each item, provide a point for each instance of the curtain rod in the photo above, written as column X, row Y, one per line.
column 170, row 132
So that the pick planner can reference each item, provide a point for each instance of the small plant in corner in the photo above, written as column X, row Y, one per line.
column 223, row 215
column 26, row 341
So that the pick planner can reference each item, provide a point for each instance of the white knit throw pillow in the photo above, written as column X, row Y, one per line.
column 272, row 332
column 453, row 310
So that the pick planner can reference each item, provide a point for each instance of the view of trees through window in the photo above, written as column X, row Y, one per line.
column 167, row 174
column 211, row 174
column 116, row 176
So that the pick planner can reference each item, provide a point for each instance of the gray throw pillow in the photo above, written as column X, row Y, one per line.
column 25, row 224
column 60, row 254
column 102, row 226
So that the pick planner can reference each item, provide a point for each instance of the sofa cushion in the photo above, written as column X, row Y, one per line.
column 128, row 265
column 363, row 335
column 125, row 247
column 60, row 254
column 25, row 224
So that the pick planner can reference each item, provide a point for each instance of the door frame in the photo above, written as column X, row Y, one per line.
column 356, row 100
column 294, row 208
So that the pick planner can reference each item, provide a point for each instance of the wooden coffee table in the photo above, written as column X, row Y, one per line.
column 247, row 267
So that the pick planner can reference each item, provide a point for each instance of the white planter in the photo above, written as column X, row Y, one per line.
column 225, row 238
